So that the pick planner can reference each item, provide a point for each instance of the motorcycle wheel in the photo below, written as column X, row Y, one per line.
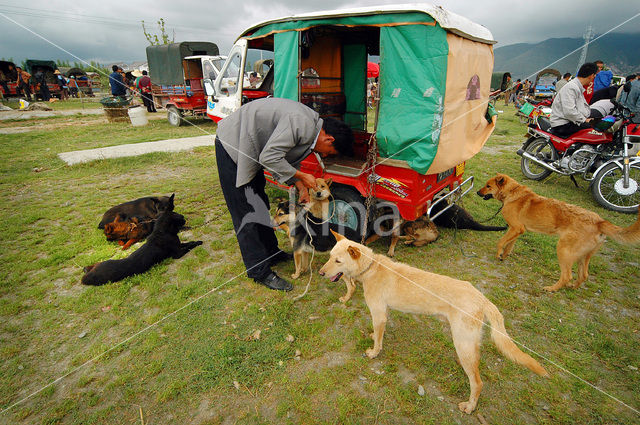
column 541, row 149
column 608, row 190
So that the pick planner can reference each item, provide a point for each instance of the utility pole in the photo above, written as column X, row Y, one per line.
column 587, row 36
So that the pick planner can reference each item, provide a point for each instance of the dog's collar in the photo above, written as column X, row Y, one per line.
column 365, row 270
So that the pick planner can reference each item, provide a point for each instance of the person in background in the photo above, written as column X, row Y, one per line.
column 570, row 111
column 603, row 77
column 3, row 83
column 506, row 87
column 116, row 81
column 628, row 79
column 561, row 82
column 517, row 87
column 254, row 80
column 23, row 83
column 62, row 83
column 43, row 87
column 630, row 98
column 143, row 84
column 73, row 86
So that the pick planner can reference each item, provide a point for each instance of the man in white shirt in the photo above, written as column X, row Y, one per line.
column 562, row 82
column 570, row 111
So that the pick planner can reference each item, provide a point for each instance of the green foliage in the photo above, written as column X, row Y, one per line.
column 205, row 364
column 154, row 39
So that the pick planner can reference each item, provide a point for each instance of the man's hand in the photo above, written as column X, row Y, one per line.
column 306, row 179
column 303, row 192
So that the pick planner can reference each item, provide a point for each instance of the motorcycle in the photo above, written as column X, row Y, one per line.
column 607, row 159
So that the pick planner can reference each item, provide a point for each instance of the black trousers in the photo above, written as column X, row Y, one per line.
column 147, row 101
column 24, row 86
column 249, row 209
column 566, row 130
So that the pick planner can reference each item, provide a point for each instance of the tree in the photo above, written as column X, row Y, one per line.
column 153, row 39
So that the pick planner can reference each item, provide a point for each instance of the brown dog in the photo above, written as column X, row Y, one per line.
column 581, row 232
column 419, row 232
column 388, row 284
column 127, row 232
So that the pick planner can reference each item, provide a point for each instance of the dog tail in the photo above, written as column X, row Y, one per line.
column 506, row 345
column 628, row 235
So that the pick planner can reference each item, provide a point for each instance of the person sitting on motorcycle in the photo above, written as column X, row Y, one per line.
column 570, row 111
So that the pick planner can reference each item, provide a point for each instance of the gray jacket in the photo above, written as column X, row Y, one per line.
column 273, row 134
column 570, row 105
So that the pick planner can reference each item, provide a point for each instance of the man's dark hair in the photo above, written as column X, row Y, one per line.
column 566, row 75
column 114, row 68
column 17, row 67
column 144, row 72
column 588, row 69
column 342, row 134
column 630, row 77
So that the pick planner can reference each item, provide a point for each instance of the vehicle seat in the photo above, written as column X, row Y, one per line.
column 544, row 123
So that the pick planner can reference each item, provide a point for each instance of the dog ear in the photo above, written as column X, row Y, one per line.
column 119, row 218
column 337, row 235
column 329, row 181
column 171, row 201
column 354, row 252
column 500, row 180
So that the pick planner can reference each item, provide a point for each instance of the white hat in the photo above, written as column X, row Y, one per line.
column 136, row 73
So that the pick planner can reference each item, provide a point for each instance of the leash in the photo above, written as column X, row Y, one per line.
column 455, row 230
column 313, row 252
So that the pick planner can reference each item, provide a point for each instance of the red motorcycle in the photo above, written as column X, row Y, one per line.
column 607, row 159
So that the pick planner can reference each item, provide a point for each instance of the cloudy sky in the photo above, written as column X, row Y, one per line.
column 110, row 31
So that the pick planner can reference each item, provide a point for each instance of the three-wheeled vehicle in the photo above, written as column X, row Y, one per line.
column 8, row 69
column 82, row 80
column 546, row 82
column 48, row 67
column 435, row 71
column 176, row 72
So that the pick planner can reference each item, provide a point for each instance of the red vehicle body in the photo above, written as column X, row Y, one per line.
column 409, row 190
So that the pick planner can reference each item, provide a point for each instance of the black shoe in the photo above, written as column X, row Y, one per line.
column 280, row 257
column 273, row 281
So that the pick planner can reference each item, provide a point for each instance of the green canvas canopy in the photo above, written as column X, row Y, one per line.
column 33, row 64
column 435, row 71
column 165, row 60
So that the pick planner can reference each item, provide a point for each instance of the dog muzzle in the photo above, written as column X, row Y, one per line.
column 485, row 197
column 336, row 277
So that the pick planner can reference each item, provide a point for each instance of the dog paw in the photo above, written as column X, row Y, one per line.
column 550, row 288
column 466, row 407
column 295, row 275
column 344, row 299
column 371, row 353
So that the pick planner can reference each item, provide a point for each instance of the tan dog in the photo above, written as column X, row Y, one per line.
column 581, row 232
column 318, row 204
column 388, row 284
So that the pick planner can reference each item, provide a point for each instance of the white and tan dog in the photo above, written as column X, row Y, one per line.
column 388, row 284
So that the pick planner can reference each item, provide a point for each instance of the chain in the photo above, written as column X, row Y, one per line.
column 372, row 158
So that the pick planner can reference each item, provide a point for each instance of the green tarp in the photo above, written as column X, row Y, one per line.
column 413, row 72
column 354, row 64
column 380, row 19
column 165, row 60
column 286, row 65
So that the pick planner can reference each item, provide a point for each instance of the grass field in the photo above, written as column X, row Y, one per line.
column 202, row 364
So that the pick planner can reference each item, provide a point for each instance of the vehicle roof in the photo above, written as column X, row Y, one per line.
column 205, row 56
column 448, row 20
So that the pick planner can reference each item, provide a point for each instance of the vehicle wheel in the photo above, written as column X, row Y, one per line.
column 609, row 191
column 347, row 208
column 174, row 116
column 541, row 149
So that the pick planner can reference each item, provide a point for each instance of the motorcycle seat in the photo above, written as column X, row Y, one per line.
column 544, row 123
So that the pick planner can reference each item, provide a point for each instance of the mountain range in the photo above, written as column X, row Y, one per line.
column 619, row 51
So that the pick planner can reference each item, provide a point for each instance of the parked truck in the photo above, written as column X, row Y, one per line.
column 176, row 72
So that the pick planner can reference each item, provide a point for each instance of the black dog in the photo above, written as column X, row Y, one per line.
column 161, row 244
column 457, row 217
column 144, row 209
